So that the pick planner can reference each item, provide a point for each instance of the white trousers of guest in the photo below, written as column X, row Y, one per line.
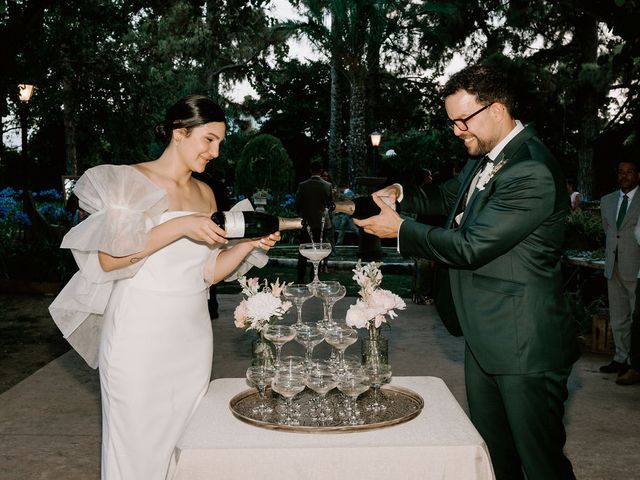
column 622, row 298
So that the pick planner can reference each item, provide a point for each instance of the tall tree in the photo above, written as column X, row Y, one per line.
column 365, row 39
column 292, row 106
column 573, row 61
column 244, row 26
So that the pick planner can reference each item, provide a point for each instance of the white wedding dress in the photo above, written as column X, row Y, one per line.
column 155, row 360
column 146, row 325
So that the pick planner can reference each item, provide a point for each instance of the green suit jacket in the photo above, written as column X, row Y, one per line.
column 504, row 258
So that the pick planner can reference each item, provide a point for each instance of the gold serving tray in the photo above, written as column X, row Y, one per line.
column 402, row 405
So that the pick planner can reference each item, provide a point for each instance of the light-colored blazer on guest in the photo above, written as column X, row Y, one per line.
column 623, row 241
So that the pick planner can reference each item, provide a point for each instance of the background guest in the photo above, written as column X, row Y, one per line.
column 619, row 211
column 574, row 197
column 343, row 223
column 632, row 375
column 312, row 198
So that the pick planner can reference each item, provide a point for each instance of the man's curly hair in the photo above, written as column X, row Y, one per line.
column 487, row 83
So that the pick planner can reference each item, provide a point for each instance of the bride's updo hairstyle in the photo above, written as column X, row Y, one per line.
column 188, row 112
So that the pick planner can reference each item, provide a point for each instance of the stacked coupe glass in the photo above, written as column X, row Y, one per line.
column 316, row 392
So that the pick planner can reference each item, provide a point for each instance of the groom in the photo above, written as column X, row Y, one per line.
column 502, row 244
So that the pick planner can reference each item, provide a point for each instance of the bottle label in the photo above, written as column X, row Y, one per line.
column 387, row 200
column 234, row 224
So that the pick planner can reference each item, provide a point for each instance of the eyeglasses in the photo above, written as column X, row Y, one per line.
column 461, row 123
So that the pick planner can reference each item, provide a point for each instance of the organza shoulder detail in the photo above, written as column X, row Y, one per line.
column 124, row 205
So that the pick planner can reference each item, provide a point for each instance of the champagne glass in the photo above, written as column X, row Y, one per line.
column 378, row 376
column 293, row 363
column 352, row 362
column 315, row 252
column 288, row 384
column 322, row 365
column 308, row 335
column 353, row 384
column 298, row 293
column 330, row 292
column 322, row 381
column 279, row 335
column 340, row 338
column 260, row 376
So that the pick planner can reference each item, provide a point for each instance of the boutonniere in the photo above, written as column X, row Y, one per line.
column 488, row 172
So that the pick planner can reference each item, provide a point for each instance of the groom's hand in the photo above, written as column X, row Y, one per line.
column 384, row 225
column 391, row 193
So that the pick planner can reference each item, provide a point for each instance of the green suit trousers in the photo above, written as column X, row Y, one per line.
column 520, row 418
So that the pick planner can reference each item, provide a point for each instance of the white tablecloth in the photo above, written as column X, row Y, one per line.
column 441, row 443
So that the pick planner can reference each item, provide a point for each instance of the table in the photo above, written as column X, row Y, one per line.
column 441, row 443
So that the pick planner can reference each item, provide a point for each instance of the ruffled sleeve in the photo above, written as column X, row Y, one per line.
column 124, row 205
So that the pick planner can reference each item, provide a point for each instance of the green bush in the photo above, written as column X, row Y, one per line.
column 584, row 231
column 264, row 165
column 28, row 254
column 283, row 206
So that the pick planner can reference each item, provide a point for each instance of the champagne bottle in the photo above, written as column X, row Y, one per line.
column 359, row 207
column 253, row 224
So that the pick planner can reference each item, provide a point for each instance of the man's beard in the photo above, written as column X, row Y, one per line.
column 482, row 147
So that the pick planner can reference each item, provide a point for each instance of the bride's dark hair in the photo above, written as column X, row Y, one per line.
column 188, row 112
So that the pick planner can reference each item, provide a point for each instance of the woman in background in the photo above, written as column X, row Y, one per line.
column 574, row 197
column 138, row 306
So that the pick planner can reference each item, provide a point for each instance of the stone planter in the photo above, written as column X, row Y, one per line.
column 259, row 202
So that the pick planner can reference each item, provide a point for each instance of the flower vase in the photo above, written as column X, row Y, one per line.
column 262, row 352
column 375, row 349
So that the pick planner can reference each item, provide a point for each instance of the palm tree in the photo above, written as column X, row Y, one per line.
column 342, row 30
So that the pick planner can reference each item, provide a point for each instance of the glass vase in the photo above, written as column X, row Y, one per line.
column 375, row 349
column 262, row 352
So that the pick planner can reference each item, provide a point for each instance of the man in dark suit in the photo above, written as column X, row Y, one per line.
column 502, row 243
column 314, row 195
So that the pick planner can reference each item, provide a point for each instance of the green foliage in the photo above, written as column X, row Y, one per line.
column 283, row 206
column 293, row 99
column 581, row 312
column 264, row 165
column 435, row 149
column 584, row 231
column 231, row 152
column 25, row 255
column 116, row 66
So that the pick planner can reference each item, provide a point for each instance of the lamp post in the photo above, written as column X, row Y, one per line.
column 25, row 91
column 369, row 246
column 376, row 138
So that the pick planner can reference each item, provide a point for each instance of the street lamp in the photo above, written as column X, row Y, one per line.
column 376, row 138
column 25, row 91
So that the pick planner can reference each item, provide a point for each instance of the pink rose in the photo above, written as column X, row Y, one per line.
column 239, row 314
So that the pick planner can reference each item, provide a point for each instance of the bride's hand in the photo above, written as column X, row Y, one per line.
column 266, row 242
column 200, row 227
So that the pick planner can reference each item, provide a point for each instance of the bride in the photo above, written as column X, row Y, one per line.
column 137, row 308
